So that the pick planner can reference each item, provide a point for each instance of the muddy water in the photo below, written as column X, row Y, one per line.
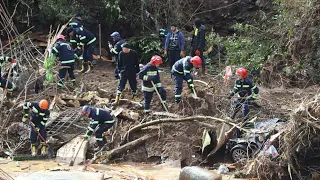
column 112, row 171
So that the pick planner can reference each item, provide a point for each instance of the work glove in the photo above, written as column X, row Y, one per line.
column 191, row 86
column 85, row 136
column 182, row 54
column 110, row 46
column 25, row 118
column 160, row 89
column 13, row 61
column 165, row 52
column 37, row 129
column 198, row 52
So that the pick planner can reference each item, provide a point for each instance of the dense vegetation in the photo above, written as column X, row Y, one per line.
column 278, row 39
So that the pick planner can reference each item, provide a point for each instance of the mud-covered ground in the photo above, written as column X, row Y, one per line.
column 179, row 141
column 182, row 141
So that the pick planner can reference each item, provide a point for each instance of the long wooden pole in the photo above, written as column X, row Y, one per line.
column 100, row 40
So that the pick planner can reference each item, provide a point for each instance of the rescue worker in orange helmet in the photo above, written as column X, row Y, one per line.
column 37, row 120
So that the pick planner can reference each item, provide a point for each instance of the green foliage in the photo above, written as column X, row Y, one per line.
column 147, row 47
column 49, row 64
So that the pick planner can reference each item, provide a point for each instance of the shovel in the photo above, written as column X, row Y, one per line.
column 155, row 88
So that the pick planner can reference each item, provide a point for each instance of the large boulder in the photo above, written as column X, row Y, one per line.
column 197, row 173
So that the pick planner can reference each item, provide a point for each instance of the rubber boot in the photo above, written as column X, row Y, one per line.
column 44, row 150
column 9, row 96
column 134, row 97
column 84, row 67
column 33, row 150
column 117, row 98
column 89, row 67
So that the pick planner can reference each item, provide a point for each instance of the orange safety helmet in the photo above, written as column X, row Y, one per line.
column 61, row 37
column 242, row 72
column 43, row 104
column 196, row 61
column 156, row 60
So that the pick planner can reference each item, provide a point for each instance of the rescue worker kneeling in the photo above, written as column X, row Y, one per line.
column 149, row 74
column 181, row 70
column 67, row 59
column 37, row 121
column 101, row 118
column 247, row 91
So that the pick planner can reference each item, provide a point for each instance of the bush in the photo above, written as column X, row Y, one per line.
column 146, row 47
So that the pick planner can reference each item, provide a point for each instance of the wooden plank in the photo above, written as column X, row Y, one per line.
column 74, row 150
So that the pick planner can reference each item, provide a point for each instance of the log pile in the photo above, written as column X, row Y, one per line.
column 298, row 146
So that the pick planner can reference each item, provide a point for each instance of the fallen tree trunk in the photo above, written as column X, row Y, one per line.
column 110, row 154
column 177, row 120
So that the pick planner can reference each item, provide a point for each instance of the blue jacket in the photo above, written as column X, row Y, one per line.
column 149, row 73
column 183, row 67
column 245, row 88
column 64, row 51
column 84, row 37
column 174, row 41
column 38, row 116
column 99, row 117
column 3, row 60
column 75, row 23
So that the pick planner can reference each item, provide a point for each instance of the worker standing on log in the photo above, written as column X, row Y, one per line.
column 101, row 118
column 247, row 91
column 67, row 59
column 86, row 41
column 181, row 70
column 149, row 74
column 37, row 121
column 128, row 66
column 3, row 81
column 115, row 50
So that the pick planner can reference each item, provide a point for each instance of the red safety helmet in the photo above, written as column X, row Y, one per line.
column 43, row 104
column 156, row 60
column 242, row 72
column 196, row 61
column 61, row 37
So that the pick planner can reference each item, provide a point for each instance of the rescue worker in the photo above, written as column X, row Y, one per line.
column 3, row 81
column 87, row 41
column 76, row 22
column 101, row 118
column 181, row 70
column 198, row 42
column 128, row 66
column 162, row 35
column 115, row 50
column 174, row 45
column 247, row 91
column 149, row 74
column 67, row 58
column 37, row 121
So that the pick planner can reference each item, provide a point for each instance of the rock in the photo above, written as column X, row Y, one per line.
column 58, row 175
column 197, row 173
column 74, row 150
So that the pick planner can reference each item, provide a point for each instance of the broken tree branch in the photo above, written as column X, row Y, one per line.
column 110, row 154
column 177, row 120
